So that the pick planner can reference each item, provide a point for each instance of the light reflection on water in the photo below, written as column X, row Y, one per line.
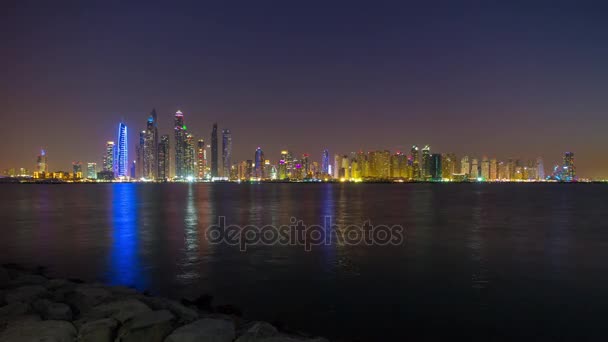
column 493, row 259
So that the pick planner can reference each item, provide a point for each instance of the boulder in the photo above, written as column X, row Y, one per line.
column 31, row 330
column 183, row 313
column 256, row 331
column 121, row 310
column 29, row 279
column 83, row 298
column 206, row 329
column 102, row 330
column 151, row 326
column 25, row 294
column 52, row 310
column 5, row 278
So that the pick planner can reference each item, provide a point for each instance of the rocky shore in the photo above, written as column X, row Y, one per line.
column 34, row 307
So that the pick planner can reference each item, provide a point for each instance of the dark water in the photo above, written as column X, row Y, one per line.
column 485, row 261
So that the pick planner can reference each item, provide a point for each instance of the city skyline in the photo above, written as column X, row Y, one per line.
column 505, row 80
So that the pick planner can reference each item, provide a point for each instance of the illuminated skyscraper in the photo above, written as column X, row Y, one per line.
column 180, row 145
column 139, row 154
column 150, row 148
column 306, row 173
column 569, row 173
column 540, row 169
column 426, row 163
column 200, row 159
column 108, row 158
column 92, row 170
column 325, row 163
column 259, row 163
column 415, row 162
column 122, row 152
column 435, row 167
column 465, row 166
column 485, row 168
column 77, row 169
column 474, row 169
column 214, row 164
column 189, row 157
column 283, row 165
column 448, row 166
column 493, row 169
column 164, row 172
column 226, row 152
column 41, row 162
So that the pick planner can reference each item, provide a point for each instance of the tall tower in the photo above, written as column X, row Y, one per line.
column 150, row 148
column 122, row 152
column 259, row 163
column 180, row 144
column 569, row 168
column 415, row 162
column 41, row 162
column 214, row 166
column 189, row 156
column 163, row 158
column 465, row 166
column 226, row 152
column 540, row 169
column 436, row 169
column 200, row 159
column 426, row 162
column 325, row 163
column 108, row 158
column 485, row 168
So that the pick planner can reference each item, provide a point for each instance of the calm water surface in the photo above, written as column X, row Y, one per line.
column 484, row 261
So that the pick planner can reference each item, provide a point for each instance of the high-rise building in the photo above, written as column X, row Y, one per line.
column 189, row 157
column 92, row 170
column 465, row 166
column 414, row 156
column 226, row 152
column 474, row 169
column 436, row 169
column 540, row 169
column 150, row 148
column 122, row 152
column 108, row 158
column 200, row 159
column 485, row 168
column 180, row 145
column 426, row 162
column 164, row 172
column 305, row 162
column 448, row 166
column 259, row 163
column 493, row 169
column 139, row 153
column 569, row 173
column 325, row 163
column 77, row 169
column 41, row 162
column 214, row 161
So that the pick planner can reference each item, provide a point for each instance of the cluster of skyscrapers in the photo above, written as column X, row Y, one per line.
column 190, row 159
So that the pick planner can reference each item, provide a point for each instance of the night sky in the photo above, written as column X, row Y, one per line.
column 519, row 79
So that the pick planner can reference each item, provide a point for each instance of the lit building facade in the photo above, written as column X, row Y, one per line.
column 226, row 152
column 122, row 152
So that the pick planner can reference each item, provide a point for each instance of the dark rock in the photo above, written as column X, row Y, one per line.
column 202, row 302
column 151, row 326
column 53, row 311
column 25, row 293
column 56, row 331
column 121, row 310
column 103, row 330
column 229, row 310
column 257, row 330
column 84, row 297
column 183, row 313
column 206, row 329
column 29, row 279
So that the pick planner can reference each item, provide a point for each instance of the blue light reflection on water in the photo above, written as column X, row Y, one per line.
column 125, row 268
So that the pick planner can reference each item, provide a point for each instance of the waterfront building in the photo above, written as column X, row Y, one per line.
column 108, row 157
column 214, row 147
column 201, row 162
column 465, row 166
column 474, row 169
column 122, row 152
column 164, row 171
column 150, row 148
column 569, row 173
column 485, row 168
column 226, row 152
column 42, row 166
column 414, row 154
column 180, row 144
column 325, row 163
column 426, row 163
column 259, row 163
